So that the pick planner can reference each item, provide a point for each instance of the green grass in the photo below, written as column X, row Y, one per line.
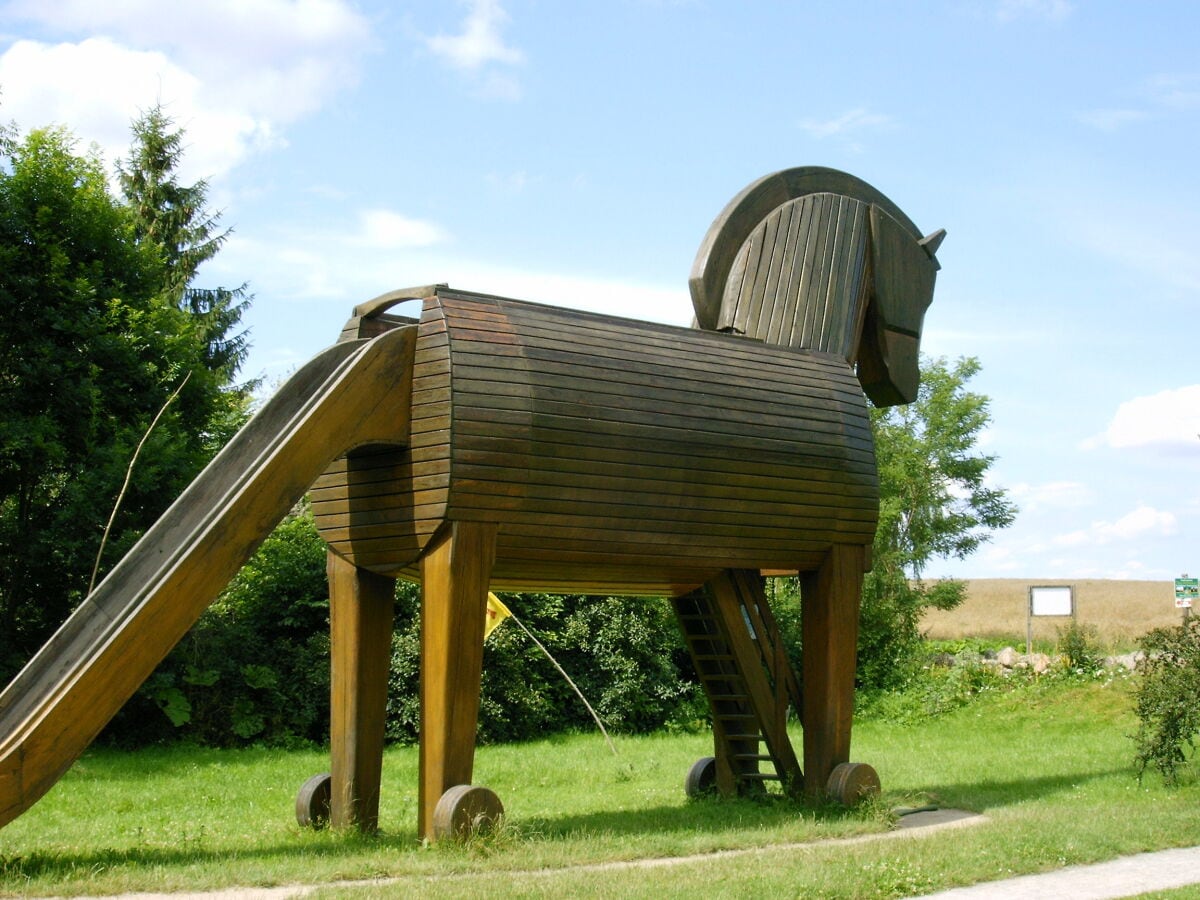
column 1050, row 766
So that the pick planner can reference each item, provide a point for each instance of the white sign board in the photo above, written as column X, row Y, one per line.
column 1051, row 601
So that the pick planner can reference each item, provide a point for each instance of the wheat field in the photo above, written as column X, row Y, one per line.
column 1120, row 611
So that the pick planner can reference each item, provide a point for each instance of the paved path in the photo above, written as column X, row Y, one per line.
column 1124, row 877
column 1118, row 878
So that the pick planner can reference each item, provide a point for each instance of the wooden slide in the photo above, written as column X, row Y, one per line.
column 352, row 394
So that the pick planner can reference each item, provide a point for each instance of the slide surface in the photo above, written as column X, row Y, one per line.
column 350, row 395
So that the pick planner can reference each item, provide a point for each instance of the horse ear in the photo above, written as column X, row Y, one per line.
column 931, row 242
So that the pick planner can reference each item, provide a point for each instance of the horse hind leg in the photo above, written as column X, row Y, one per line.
column 360, row 619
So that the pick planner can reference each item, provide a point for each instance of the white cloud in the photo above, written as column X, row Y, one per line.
column 480, row 42
column 1051, row 495
column 1156, row 97
column 1168, row 420
column 96, row 88
column 1111, row 119
column 233, row 73
column 345, row 266
column 384, row 229
column 1145, row 521
column 850, row 122
column 1165, row 253
column 1174, row 92
column 1054, row 10
column 479, row 49
column 499, row 86
column 512, row 183
column 610, row 296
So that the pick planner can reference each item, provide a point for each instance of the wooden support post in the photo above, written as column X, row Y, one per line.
column 455, row 572
column 360, row 620
column 830, row 599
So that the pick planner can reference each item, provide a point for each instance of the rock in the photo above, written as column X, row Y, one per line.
column 1007, row 657
column 1039, row 662
column 1125, row 660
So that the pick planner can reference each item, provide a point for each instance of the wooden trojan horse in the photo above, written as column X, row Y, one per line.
column 554, row 450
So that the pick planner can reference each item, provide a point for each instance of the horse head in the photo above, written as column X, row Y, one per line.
column 903, row 268
column 817, row 259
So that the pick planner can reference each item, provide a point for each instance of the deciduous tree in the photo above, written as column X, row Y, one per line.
column 936, row 502
column 96, row 331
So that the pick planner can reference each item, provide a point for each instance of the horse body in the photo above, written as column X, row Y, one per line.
column 615, row 457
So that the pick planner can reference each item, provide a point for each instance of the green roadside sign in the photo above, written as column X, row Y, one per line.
column 1187, row 591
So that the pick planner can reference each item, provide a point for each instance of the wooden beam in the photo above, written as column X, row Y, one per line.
column 730, row 592
column 455, row 572
column 829, row 605
column 360, row 619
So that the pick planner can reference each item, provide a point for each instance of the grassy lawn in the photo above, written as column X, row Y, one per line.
column 1050, row 768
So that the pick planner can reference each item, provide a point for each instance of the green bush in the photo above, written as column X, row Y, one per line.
column 1168, row 699
column 255, row 668
column 891, row 648
column 938, row 689
column 625, row 655
column 1080, row 649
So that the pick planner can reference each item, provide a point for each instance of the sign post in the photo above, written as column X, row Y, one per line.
column 1056, row 600
column 1187, row 590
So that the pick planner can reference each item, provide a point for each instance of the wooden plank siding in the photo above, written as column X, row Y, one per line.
column 614, row 456
column 798, row 279
column 398, row 491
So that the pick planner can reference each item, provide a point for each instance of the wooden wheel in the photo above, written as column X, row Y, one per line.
column 312, row 803
column 851, row 782
column 701, row 777
column 466, row 809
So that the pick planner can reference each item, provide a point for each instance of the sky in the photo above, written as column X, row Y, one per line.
column 575, row 153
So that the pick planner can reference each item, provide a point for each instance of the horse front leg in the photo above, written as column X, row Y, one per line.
column 455, row 573
column 829, row 608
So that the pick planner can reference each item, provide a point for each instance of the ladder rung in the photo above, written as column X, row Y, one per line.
column 758, row 776
column 760, row 757
column 744, row 737
column 730, row 698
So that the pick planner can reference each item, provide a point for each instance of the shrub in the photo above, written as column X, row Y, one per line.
column 255, row 668
column 625, row 654
column 1080, row 650
column 891, row 647
column 1168, row 699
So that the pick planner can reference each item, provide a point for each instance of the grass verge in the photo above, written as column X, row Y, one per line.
column 1050, row 765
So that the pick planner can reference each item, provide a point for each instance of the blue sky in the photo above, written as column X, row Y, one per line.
column 575, row 153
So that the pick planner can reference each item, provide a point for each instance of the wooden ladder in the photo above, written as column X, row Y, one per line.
column 738, row 654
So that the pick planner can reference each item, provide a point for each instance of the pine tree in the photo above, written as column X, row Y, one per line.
column 175, row 218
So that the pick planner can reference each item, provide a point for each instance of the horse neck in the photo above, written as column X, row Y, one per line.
column 800, row 279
